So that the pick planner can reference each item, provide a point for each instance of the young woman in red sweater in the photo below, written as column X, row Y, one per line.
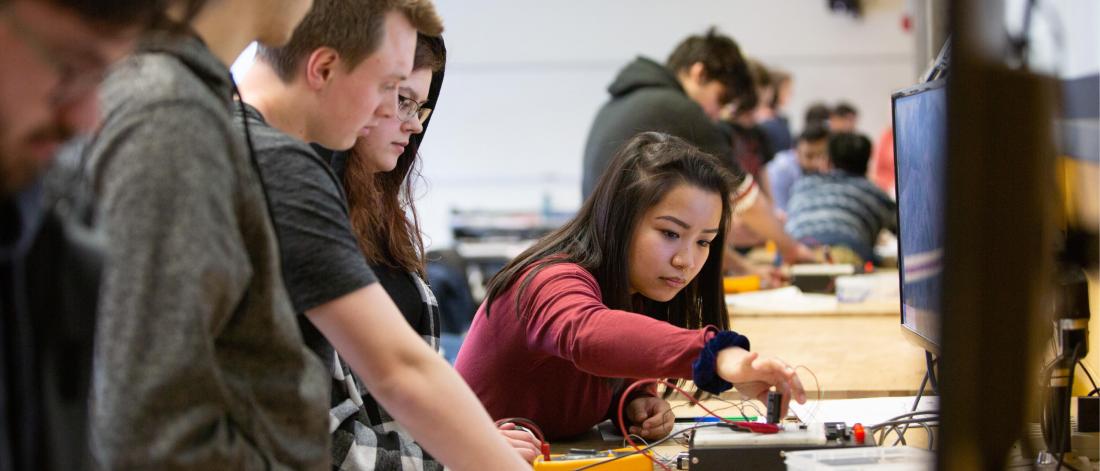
column 630, row 288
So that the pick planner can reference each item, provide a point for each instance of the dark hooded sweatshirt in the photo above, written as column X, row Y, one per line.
column 646, row 96
column 49, row 271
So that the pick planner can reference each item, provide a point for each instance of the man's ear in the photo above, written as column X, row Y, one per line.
column 698, row 73
column 320, row 66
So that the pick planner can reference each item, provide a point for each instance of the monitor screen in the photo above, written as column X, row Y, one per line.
column 920, row 152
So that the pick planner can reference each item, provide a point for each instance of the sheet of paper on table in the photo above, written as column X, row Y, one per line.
column 867, row 411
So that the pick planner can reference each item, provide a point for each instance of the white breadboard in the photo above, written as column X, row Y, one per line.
column 814, row 434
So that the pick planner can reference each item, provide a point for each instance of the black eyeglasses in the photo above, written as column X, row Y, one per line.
column 407, row 109
column 72, row 81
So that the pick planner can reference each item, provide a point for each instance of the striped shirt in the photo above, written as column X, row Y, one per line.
column 839, row 208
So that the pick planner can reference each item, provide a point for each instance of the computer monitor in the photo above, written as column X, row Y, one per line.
column 920, row 157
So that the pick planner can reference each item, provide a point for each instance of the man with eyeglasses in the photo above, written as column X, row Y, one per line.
column 336, row 79
column 53, row 57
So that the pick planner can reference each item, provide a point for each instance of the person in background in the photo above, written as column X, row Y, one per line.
column 771, row 116
column 684, row 97
column 53, row 58
column 379, row 177
column 809, row 156
column 447, row 275
column 881, row 170
column 843, row 118
column 842, row 208
column 629, row 288
column 751, row 148
column 817, row 114
column 338, row 79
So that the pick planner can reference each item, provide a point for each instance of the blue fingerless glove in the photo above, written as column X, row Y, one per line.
column 705, row 368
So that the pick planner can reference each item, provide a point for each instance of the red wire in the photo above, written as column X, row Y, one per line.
column 694, row 401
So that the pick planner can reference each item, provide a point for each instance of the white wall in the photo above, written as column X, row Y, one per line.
column 525, row 79
column 1064, row 37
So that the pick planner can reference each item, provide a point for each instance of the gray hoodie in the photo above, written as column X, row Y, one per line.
column 199, row 360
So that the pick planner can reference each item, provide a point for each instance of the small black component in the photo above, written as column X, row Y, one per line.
column 836, row 430
column 775, row 401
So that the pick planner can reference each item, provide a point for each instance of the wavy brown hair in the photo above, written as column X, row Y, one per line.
column 383, row 216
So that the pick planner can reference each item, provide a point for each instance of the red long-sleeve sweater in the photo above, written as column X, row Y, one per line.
column 556, row 362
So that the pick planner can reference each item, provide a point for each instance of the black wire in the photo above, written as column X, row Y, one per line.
column 1086, row 370
column 916, row 402
column 930, row 364
column 1045, row 405
column 920, row 391
column 647, row 447
column 1062, row 463
column 895, row 423
column 1057, row 422
column 1021, row 43
column 896, row 429
column 1064, row 425
column 253, row 159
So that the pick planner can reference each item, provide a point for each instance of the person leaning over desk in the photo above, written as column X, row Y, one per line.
column 379, row 177
column 630, row 288
column 337, row 79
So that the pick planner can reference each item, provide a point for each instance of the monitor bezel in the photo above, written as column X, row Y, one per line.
column 910, row 334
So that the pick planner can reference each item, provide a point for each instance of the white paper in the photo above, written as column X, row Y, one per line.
column 868, row 411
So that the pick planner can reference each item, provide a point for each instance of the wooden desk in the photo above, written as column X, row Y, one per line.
column 856, row 350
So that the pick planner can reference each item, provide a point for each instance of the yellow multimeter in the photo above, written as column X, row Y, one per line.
column 577, row 458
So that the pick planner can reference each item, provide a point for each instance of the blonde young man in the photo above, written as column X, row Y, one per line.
column 333, row 82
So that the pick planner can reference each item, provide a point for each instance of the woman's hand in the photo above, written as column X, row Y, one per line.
column 754, row 375
column 652, row 417
column 523, row 441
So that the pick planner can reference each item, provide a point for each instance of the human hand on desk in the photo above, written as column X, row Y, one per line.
column 652, row 417
column 770, row 276
column 753, row 375
column 798, row 252
column 523, row 441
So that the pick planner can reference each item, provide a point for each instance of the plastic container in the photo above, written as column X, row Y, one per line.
column 897, row 458
column 863, row 288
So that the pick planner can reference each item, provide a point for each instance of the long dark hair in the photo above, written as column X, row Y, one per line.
column 381, row 208
column 598, row 239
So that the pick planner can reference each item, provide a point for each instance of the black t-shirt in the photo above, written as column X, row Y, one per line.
column 402, row 289
column 321, row 259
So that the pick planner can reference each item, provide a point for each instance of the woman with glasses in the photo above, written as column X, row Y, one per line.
column 378, row 176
